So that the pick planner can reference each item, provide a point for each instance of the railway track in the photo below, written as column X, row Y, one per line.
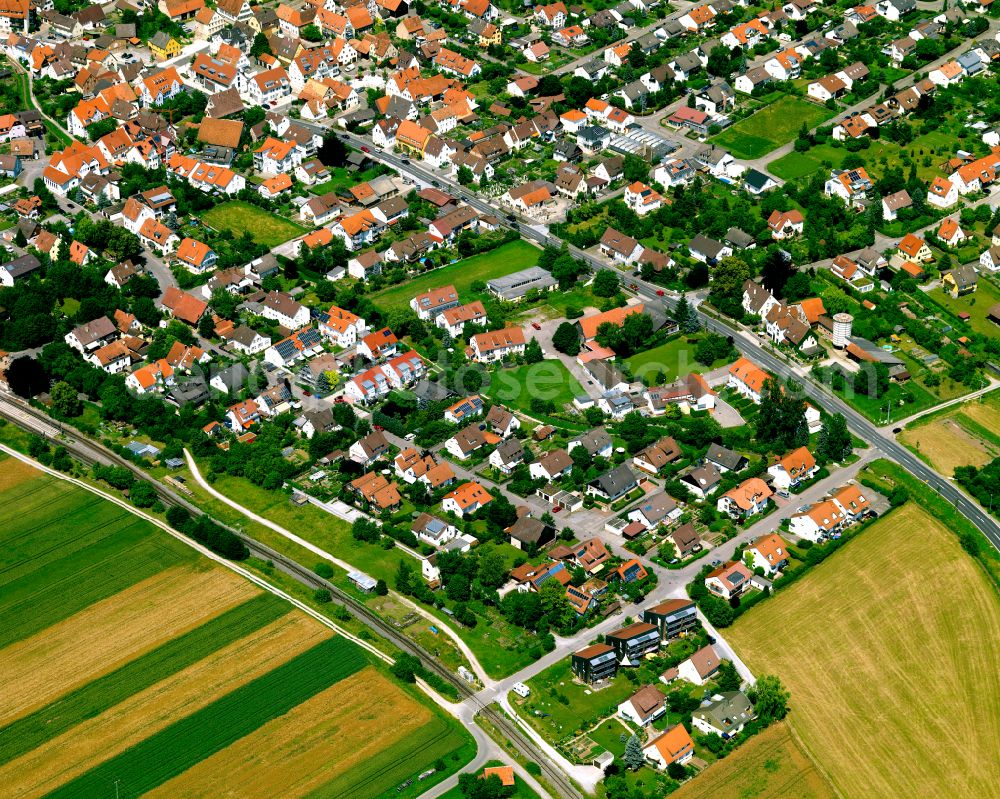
column 90, row 452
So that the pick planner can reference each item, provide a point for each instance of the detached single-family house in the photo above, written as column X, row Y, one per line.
column 644, row 706
column 769, row 552
column 701, row 667
column 729, row 580
column 794, row 468
column 726, row 716
column 673, row 746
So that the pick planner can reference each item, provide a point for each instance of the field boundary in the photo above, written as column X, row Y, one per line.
column 807, row 752
column 258, row 581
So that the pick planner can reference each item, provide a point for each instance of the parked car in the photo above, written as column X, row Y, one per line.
column 536, row 325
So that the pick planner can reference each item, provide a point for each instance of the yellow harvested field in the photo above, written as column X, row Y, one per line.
column 889, row 649
column 324, row 737
column 76, row 751
column 13, row 472
column 946, row 445
column 768, row 766
column 985, row 413
column 111, row 632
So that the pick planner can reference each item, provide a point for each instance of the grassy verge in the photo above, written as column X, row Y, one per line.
column 884, row 475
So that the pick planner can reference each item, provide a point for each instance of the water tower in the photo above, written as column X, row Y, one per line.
column 842, row 329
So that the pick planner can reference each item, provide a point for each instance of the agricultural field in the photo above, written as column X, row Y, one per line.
column 239, row 217
column 963, row 435
column 771, row 127
column 511, row 257
column 882, row 648
column 132, row 664
column 768, row 766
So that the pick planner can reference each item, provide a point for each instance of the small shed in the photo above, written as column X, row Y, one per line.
column 362, row 581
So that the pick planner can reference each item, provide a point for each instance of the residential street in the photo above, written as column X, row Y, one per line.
column 748, row 345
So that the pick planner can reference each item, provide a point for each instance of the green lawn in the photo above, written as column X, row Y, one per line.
column 548, row 380
column 239, row 217
column 585, row 707
column 608, row 736
column 977, row 305
column 937, row 144
column 342, row 178
column 675, row 359
column 771, row 127
column 502, row 261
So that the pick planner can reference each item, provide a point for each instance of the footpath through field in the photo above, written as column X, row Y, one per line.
column 343, row 564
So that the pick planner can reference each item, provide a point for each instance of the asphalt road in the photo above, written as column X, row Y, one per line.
column 746, row 343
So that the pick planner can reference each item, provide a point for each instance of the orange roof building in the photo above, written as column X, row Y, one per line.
column 504, row 773
column 589, row 325
column 748, row 378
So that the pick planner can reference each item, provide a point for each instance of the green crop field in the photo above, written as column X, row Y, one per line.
column 502, row 261
column 381, row 774
column 131, row 664
column 207, row 731
column 239, row 217
column 62, row 549
column 94, row 698
column 871, row 657
column 771, row 127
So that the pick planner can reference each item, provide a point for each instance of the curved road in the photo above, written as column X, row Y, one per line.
column 747, row 344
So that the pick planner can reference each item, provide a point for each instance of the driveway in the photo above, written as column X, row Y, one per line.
column 726, row 415
column 544, row 338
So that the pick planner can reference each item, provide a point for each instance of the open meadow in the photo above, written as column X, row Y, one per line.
column 158, row 672
column 771, row 127
column 264, row 227
column 889, row 651
column 967, row 434
column 511, row 257
column 768, row 766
